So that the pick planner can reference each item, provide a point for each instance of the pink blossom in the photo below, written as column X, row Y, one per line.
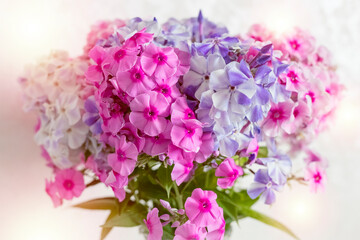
column 184, row 65
column 260, row 33
column 184, row 166
column 181, row 111
column 115, row 180
column 134, row 81
column 316, row 177
column 154, row 225
column 124, row 159
column 132, row 135
column 279, row 117
column 202, row 208
column 120, row 59
column 119, row 193
column 229, row 171
column 315, row 158
column 160, row 62
column 139, row 38
column 95, row 73
column 69, row 183
column 302, row 115
column 148, row 113
column 112, row 107
column 190, row 231
column 217, row 230
column 187, row 135
column 293, row 79
column 168, row 88
column 156, row 145
column 101, row 30
column 51, row 190
column 206, row 148
column 300, row 44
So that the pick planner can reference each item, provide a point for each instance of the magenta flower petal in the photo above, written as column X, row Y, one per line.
column 154, row 225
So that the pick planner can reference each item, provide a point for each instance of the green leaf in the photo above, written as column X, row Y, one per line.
column 108, row 203
column 244, row 209
column 164, row 176
column 106, row 230
column 131, row 217
column 267, row 220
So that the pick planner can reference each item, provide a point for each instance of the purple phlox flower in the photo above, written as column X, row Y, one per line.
column 265, row 186
column 173, row 32
column 199, row 74
column 278, row 88
column 231, row 138
column 208, row 28
column 278, row 166
column 234, row 87
column 216, row 45
column 264, row 55
column 204, row 111
column 91, row 117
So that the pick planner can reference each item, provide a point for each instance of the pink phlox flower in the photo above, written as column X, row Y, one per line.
column 168, row 88
column 316, row 176
column 279, row 118
column 120, row 59
column 156, row 145
column 134, row 81
column 229, row 172
column 119, row 193
column 202, row 208
column 112, row 108
column 321, row 56
column 217, row 230
column 148, row 113
column 139, row 38
column 181, row 111
column 300, row 44
column 293, row 79
column 95, row 73
column 190, row 231
column 315, row 158
column 101, row 30
column 132, row 135
column 206, row 148
column 260, row 33
column 187, row 135
column 154, row 225
column 51, row 190
column 160, row 62
column 115, row 180
column 184, row 65
column 70, row 183
column 124, row 159
column 184, row 164
column 302, row 115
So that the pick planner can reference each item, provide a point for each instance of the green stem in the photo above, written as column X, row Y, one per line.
column 178, row 197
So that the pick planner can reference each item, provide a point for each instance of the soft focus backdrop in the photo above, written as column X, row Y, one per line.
column 31, row 28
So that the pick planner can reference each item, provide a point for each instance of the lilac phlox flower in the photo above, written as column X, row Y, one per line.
column 278, row 88
column 279, row 167
column 67, row 107
column 216, row 45
column 200, row 69
column 205, row 110
column 91, row 117
column 234, row 87
column 263, row 57
column 265, row 186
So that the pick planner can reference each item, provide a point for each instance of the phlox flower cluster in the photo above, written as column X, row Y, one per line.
column 190, row 97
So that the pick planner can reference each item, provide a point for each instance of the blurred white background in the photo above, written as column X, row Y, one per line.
column 31, row 28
